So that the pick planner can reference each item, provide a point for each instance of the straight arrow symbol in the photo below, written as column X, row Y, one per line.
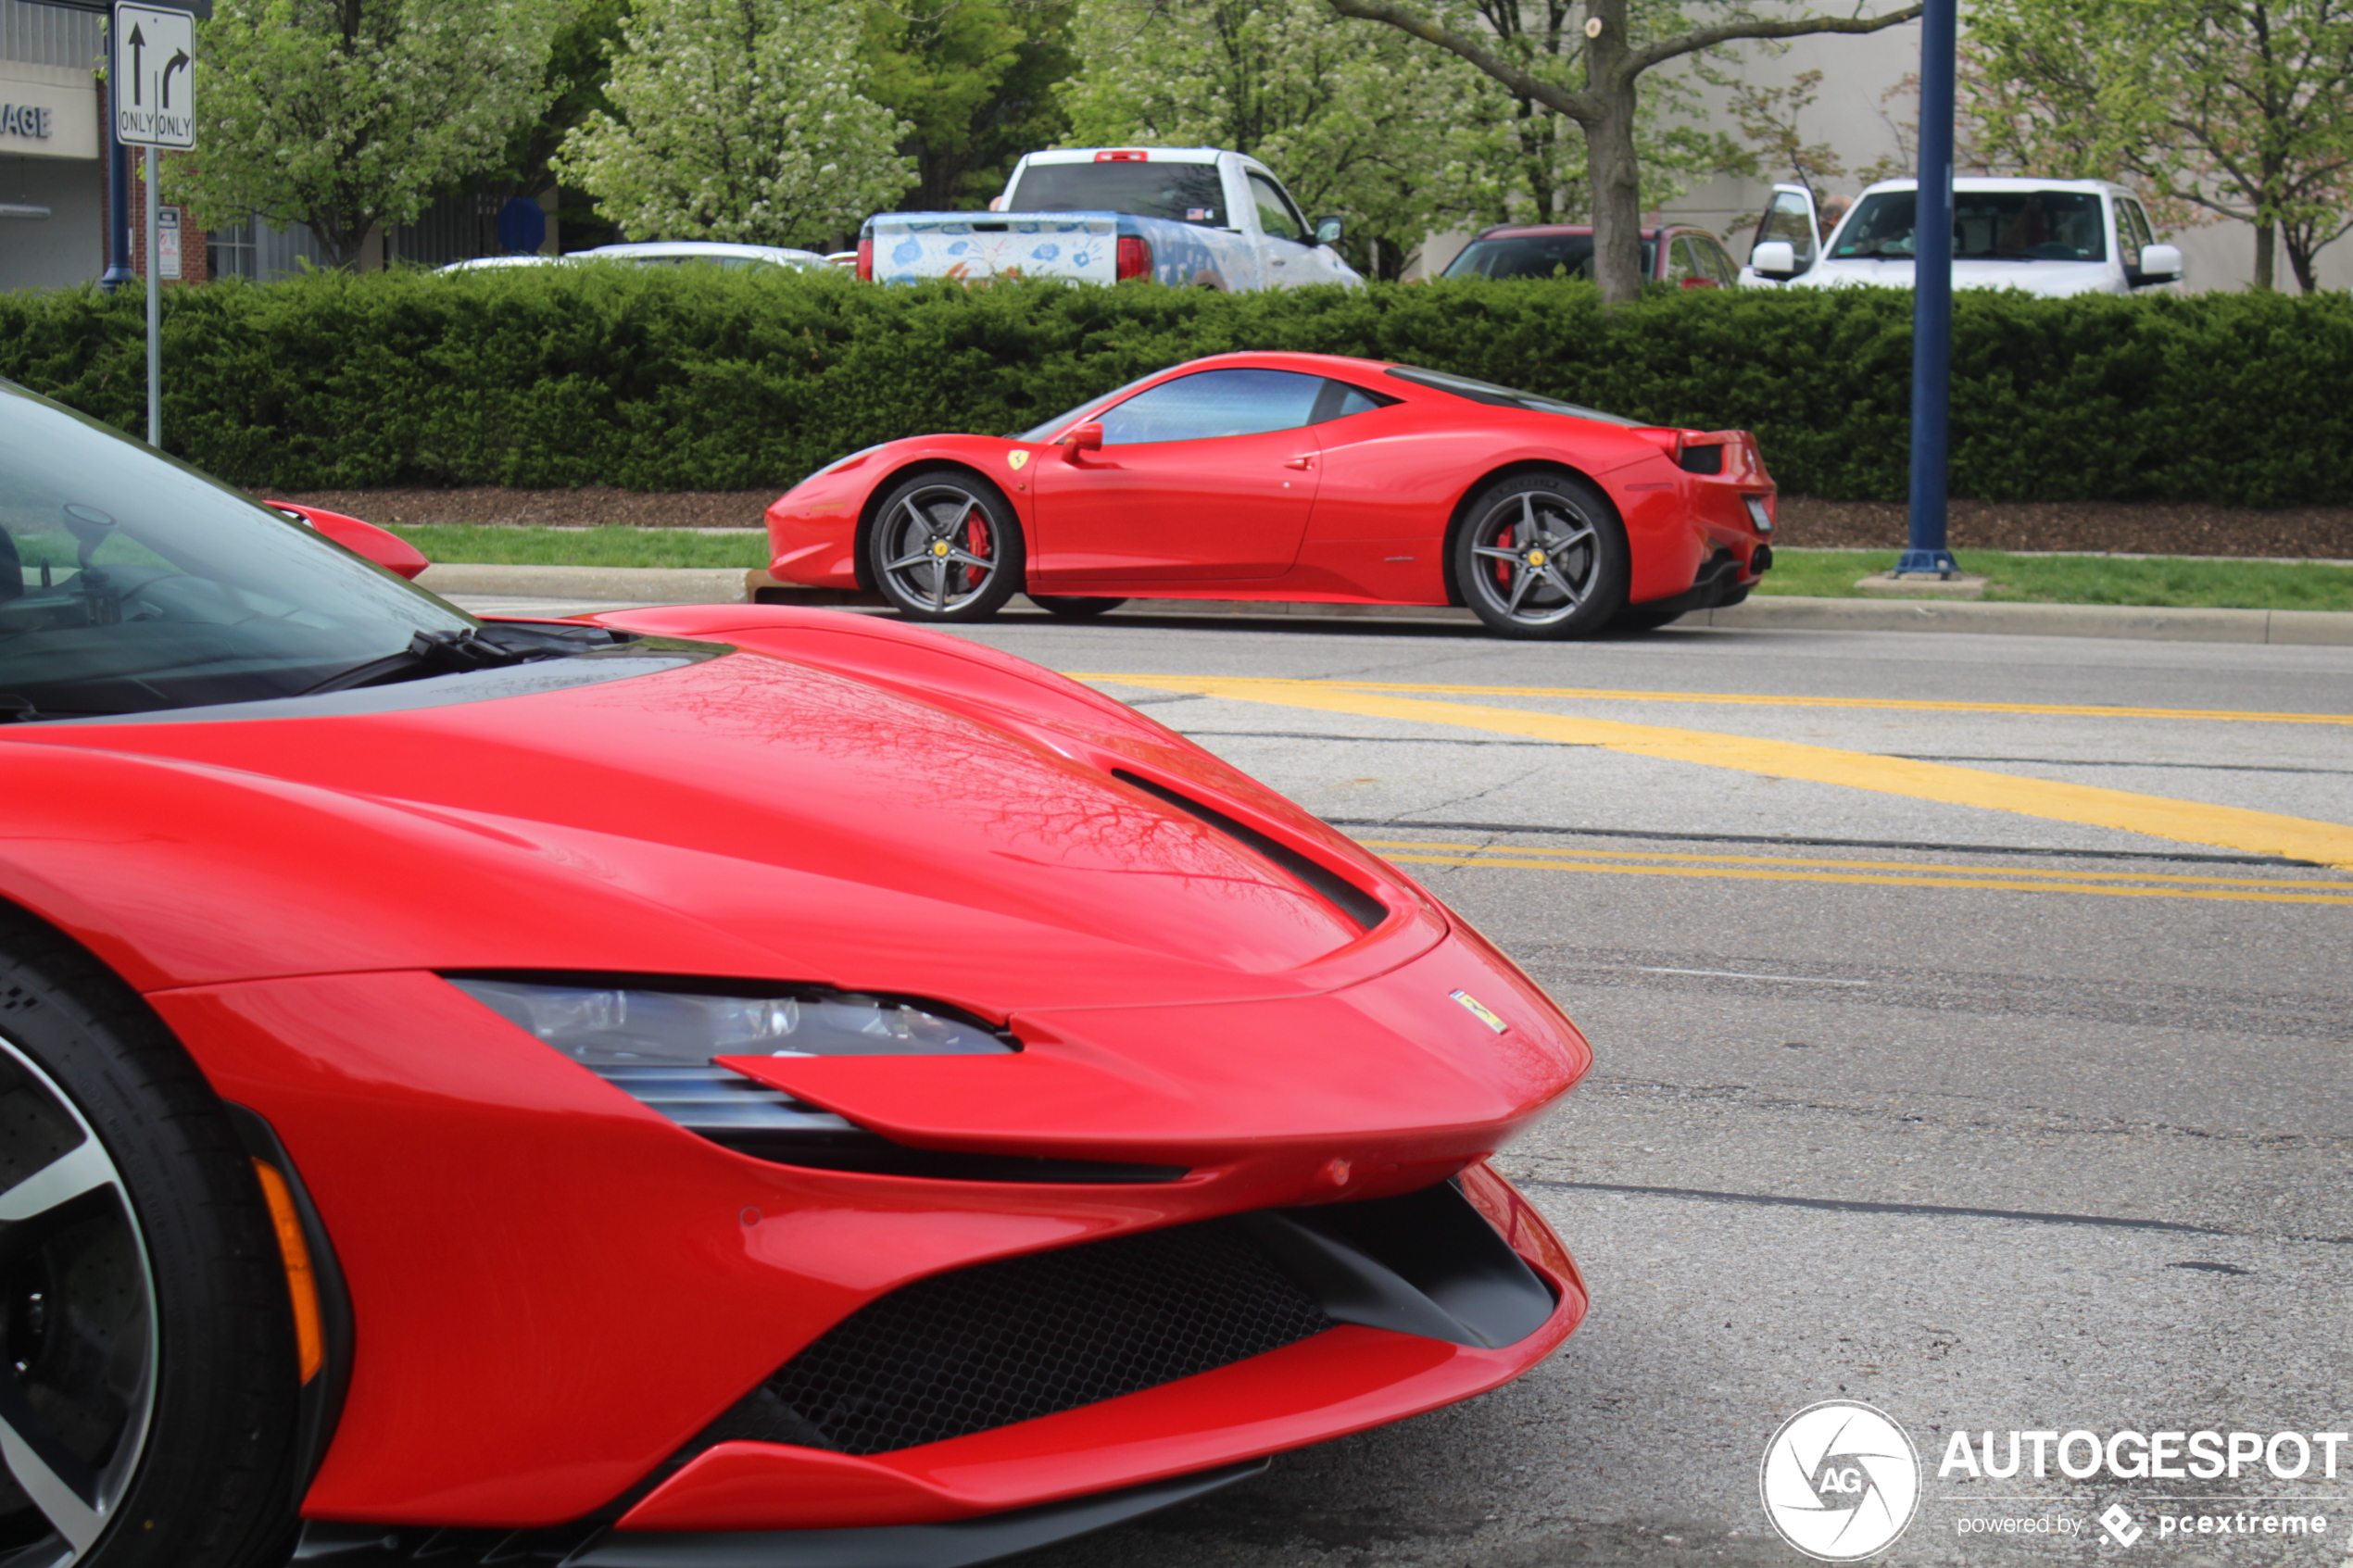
column 138, row 42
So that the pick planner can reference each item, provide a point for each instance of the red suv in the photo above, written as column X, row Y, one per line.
column 1692, row 258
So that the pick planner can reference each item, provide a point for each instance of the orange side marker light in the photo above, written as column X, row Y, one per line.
column 310, row 1338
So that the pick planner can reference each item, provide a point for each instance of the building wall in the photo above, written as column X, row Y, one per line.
column 52, row 207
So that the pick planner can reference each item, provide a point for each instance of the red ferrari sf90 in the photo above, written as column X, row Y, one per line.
column 681, row 1088
column 1302, row 477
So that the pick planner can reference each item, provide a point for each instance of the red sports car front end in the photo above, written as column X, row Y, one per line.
column 732, row 1082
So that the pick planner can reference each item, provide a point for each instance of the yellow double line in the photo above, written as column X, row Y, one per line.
column 1876, row 873
column 2186, row 822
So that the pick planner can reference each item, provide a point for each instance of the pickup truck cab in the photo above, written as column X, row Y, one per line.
column 1190, row 215
column 2049, row 237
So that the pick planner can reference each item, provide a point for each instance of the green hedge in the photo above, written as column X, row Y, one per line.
column 662, row 380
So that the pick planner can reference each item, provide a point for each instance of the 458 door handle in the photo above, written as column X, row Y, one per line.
column 1298, row 462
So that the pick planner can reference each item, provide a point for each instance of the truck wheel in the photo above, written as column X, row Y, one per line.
column 147, row 1391
column 1065, row 607
column 1543, row 554
column 945, row 546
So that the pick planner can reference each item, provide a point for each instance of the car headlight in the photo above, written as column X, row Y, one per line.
column 609, row 1026
column 656, row 1047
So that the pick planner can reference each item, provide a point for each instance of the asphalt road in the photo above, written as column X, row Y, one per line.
column 2006, row 1088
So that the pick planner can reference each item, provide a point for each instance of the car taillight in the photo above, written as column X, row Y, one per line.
column 865, row 259
column 1126, row 154
column 1134, row 256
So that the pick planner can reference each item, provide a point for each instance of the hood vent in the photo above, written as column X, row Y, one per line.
column 1341, row 893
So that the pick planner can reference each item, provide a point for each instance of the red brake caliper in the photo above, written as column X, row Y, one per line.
column 976, row 542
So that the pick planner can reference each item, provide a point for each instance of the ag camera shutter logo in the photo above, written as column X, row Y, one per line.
column 1840, row 1481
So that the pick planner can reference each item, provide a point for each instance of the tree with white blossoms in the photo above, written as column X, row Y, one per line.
column 738, row 120
column 342, row 115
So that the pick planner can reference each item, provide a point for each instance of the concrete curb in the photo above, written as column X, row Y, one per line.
column 644, row 584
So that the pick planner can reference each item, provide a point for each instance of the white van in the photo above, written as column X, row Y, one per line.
column 2049, row 237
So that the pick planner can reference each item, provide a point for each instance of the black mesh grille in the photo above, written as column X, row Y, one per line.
column 987, row 1346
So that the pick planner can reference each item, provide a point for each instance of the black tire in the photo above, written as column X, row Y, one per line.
column 1634, row 618
column 184, row 1439
column 1069, row 608
column 1568, row 581
column 944, row 546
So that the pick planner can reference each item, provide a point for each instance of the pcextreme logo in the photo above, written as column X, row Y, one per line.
column 1840, row 1481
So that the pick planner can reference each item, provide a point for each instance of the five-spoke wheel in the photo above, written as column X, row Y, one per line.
column 78, row 1310
column 1541, row 554
column 147, row 1373
column 945, row 546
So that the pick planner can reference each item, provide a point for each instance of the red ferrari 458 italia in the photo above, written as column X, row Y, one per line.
column 1300, row 477
column 684, row 1088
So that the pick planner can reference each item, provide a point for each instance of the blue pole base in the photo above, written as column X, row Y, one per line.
column 116, row 276
column 1927, row 563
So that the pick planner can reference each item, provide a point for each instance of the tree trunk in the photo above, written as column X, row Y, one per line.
column 1617, row 213
column 2303, row 258
column 1611, row 167
column 2266, row 238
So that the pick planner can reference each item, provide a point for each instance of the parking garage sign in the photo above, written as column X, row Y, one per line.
column 155, row 77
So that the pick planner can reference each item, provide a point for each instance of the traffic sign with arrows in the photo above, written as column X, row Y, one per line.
column 155, row 84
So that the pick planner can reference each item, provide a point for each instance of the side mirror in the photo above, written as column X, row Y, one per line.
column 1328, row 230
column 387, row 550
column 1088, row 437
column 1774, row 259
column 2159, row 264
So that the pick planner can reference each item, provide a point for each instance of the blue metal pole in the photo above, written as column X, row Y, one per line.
column 118, row 271
column 1932, row 298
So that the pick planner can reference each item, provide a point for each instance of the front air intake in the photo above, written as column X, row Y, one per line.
column 1010, row 1341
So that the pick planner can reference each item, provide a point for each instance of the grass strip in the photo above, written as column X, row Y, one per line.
column 2166, row 580
column 488, row 546
column 2036, row 579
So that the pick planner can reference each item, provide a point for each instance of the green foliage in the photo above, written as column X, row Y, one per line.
column 974, row 82
column 737, row 120
column 344, row 114
column 678, row 378
column 1360, row 122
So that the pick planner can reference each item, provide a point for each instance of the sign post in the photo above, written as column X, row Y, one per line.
column 153, row 93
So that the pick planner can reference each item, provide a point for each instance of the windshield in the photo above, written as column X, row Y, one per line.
column 1501, row 396
column 1987, row 226
column 1181, row 193
column 1536, row 256
column 1069, row 417
column 129, row 582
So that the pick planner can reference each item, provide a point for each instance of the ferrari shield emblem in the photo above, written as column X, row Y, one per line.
column 1479, row 1010
column 1017, row 459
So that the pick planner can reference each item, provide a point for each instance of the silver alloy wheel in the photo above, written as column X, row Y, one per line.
column 939, row 547
column 1538, row 557
column 77, row 1340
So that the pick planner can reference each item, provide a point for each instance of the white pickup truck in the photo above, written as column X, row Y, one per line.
column 1189, row 216
column 2050, row 237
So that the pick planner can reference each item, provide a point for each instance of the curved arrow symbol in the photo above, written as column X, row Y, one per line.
column 178, row 61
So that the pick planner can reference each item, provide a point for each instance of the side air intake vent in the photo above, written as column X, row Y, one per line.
column 1343, row 895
